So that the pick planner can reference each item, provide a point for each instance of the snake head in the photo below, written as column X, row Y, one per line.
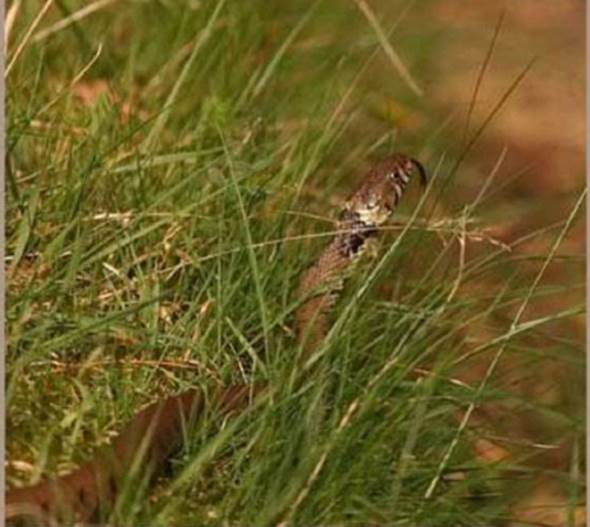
column 383, row 188
column 398, row 170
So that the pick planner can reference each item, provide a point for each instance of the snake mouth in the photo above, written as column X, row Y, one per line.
column 418, row 166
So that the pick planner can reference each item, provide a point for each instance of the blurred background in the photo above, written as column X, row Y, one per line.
column 541, row 130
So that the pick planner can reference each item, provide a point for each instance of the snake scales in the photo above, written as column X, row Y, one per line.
column 157, row 431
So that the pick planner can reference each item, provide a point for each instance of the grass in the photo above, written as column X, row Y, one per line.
column 155, row 235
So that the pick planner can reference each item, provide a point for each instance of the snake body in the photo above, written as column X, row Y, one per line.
column 153, row 434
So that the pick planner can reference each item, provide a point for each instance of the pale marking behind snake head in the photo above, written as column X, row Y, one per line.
column 372, row 204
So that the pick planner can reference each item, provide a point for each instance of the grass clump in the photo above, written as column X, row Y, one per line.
column 159, row 182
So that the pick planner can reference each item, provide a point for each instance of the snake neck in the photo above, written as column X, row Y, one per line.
column 321, row 283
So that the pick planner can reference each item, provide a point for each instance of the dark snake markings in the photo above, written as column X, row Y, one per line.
column 157, row 431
